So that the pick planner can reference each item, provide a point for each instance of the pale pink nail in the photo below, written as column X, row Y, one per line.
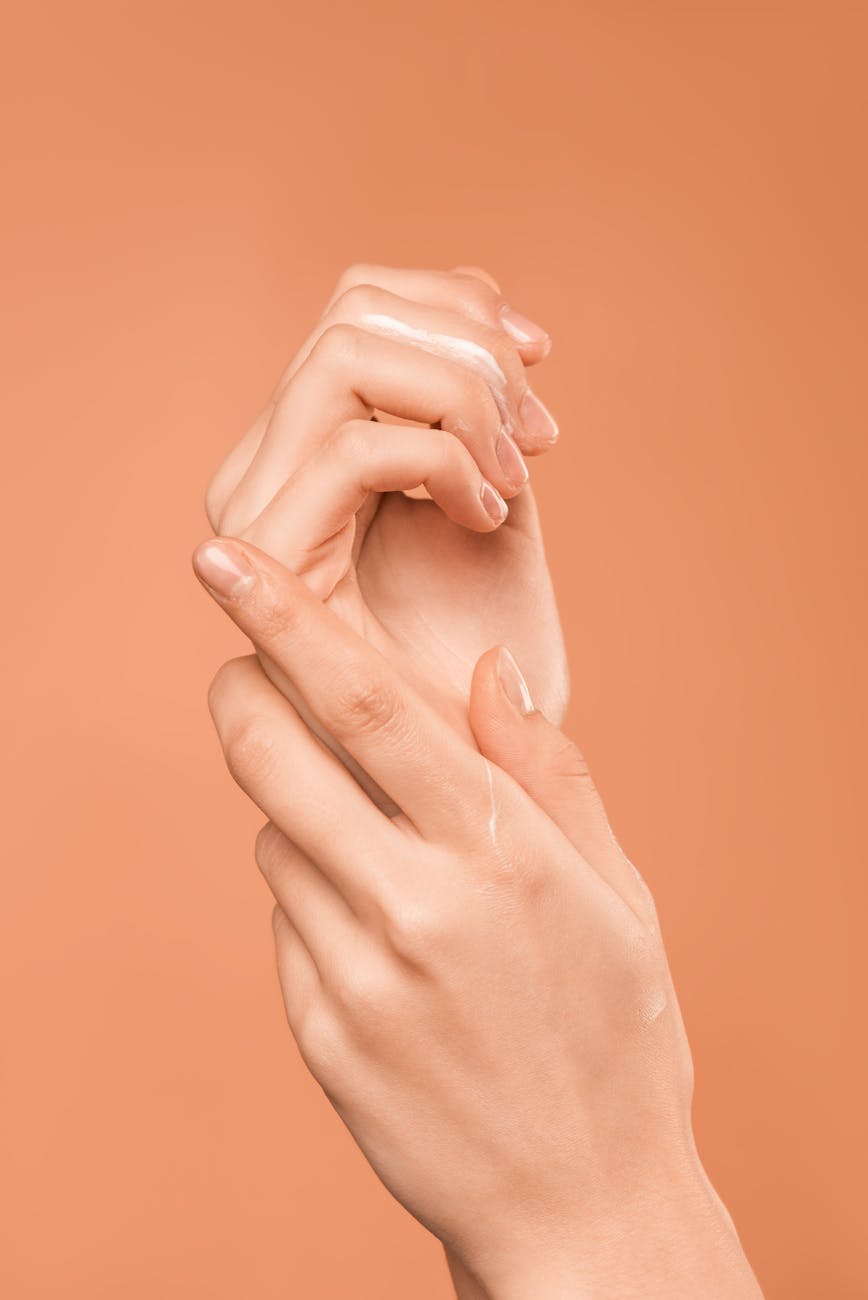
column 521, row 328
column 538, row 423
column 224, row 567
column 510, row 459
column 512, row 681
column 493, row 502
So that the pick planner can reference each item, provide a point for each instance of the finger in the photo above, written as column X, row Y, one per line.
column 299, row 784
column 479, row 273
column 327, row 927
column 352, row 372
column 533, row 342
column 484, row 348
column 300, row 982
column 234, row 466
column 399, row 739
column 323, row 496
column 467, row 290
column 469, row 296
column 521, row 741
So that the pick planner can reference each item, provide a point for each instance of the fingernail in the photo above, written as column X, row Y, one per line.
column 538, row 423
column 510, row 458
column 512, row 682
column 521, row 328
column 493, row 502
column 224, row 567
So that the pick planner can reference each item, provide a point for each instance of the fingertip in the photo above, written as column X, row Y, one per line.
column 500, row 702
column 512, row 682
column 223, row 567
column 533, row 353
column 484, row 688
column 493, row 503
column 538, row 427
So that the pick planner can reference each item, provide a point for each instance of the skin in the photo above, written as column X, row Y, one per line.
column 430, row 582
column 407, row 1005
column 478, row 982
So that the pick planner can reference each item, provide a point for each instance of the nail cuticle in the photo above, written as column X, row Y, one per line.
column 521, row 328
column 537, row 421
column 493, row 503
column 224, row 569
column 510, row 459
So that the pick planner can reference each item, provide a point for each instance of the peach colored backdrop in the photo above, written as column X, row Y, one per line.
column 678, row 192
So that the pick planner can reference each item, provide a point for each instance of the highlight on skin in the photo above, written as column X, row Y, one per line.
column 466, row 352
column 528, row 1099
column 493, row 1018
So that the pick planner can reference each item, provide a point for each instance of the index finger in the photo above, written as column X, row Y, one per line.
column 360, row 699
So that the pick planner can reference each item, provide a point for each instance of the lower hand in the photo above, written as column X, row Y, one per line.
column 478, row 984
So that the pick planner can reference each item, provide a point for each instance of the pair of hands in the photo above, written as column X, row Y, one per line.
column 471, row 967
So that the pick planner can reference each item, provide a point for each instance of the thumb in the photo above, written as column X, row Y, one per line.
column 512, row 733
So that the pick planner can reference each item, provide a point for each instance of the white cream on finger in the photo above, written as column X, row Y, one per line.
column 473, row 356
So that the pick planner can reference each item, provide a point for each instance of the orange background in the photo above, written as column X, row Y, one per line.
column 678, row 192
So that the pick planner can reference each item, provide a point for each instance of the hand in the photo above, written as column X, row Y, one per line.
column 479, row 985
column 321, row 487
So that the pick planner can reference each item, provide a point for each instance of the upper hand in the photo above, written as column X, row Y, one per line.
column 320, row 486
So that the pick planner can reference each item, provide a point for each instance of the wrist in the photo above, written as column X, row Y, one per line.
column 655, row 1242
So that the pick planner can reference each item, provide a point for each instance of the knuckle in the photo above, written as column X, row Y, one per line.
column 417, row 925
column 644, row 965
column 568, row 762
column 455, row 458
column 320, row 1041
column 231, row 520
column 337, row 343
column 479, row 276
column 365, row 704
column 276, row 617
column 214, row 501
column 645, row 902
column 478, row 388
column 357, row 273
column 269, row 849
column 279, row 923
column 495, row 341
column 474, row 393
column 414, row 931
column 475, row 296
column 518, row 879
column 366, row 992
column 354, row 440
column 222, row 684
column 501, row 347
column 357, row 300
column 249, row 747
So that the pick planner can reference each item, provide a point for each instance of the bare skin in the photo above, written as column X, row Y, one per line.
column 478, row 983
column 481, row 988
column 422, row 580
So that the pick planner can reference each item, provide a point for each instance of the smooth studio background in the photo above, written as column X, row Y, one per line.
column 678, row 192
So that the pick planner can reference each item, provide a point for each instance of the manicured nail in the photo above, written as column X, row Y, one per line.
column 538, row 423
column 520, row 328
column 224, row 567
column 512, row 682
column 510, row 458
column 493, row 502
